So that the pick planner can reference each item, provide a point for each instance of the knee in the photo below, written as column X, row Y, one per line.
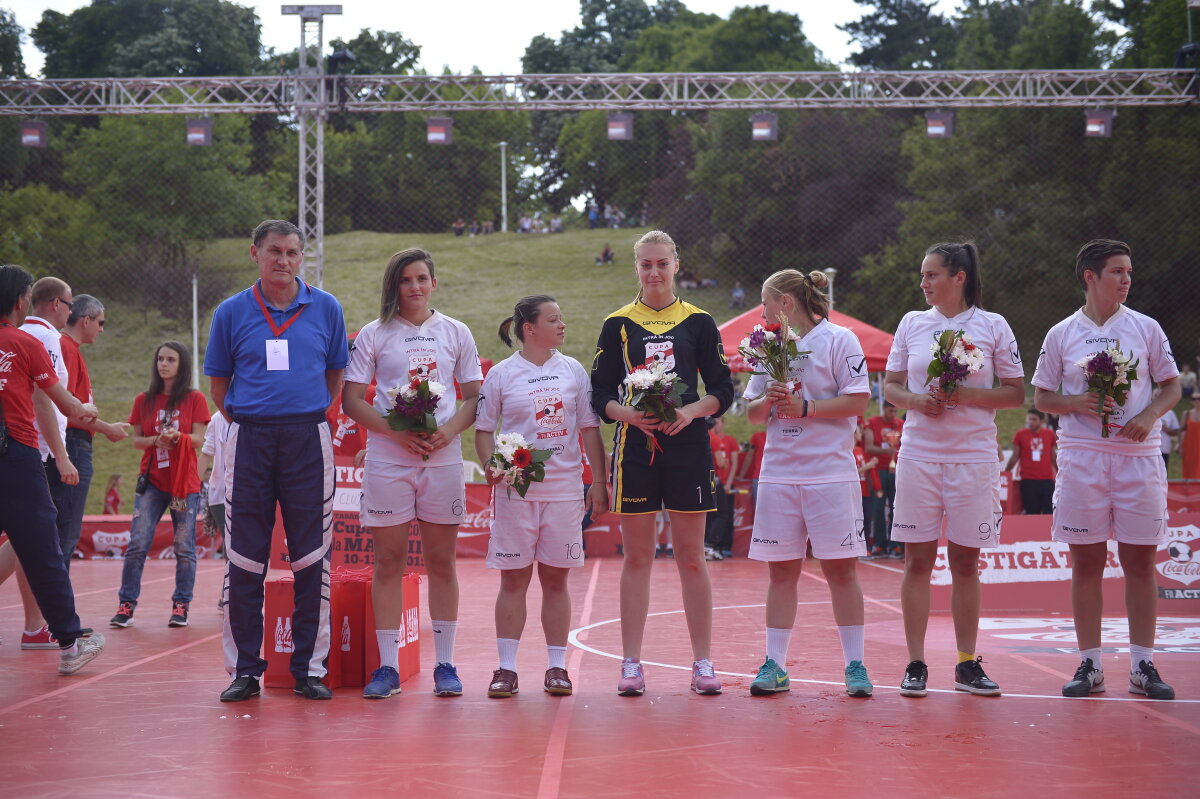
column 839, row 574
column 440, row 569
column 514, row 581
column 964, row 568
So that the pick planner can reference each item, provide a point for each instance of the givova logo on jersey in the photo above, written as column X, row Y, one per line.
column 422, row 367
column 548, row 411
column 661, row 352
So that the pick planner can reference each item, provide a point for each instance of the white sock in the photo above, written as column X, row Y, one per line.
column 443, row 639
column 70, row 651
column 1139, row 653
column 389, row 648
column 556, row 657
column 507, row 647
column 852, row 642
column 777, row 645
column 1091, row 654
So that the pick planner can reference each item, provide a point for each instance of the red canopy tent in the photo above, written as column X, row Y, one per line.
column 876, row 343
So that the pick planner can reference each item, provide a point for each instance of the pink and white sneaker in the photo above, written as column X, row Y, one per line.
column 633, row 680
column 704, row 680
column 42, row 639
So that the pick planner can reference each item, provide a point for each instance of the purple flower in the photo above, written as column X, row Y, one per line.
column 757, row 338
column 1102, row 364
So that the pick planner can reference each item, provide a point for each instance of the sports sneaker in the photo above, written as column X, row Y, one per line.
column 1087, row 680
column 857, row 682
column 385, row 682
column 916, row 675
column 704, row 679
column 241, row 689
column 1147, row 682
column 969, row 677
column 712, row 554
column 179, row 613
column 124, row 617
column 504, row 684
column 88, row 649
column 633, row 679
column 558, row 682
column 445, row 680
column 312, row 688
column 42, row 639
column 771, row 679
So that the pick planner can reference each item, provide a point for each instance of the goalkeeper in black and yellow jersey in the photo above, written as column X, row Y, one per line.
column 658, row 464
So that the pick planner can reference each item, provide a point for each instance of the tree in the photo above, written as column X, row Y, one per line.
column 901, row 34
column 379, row 53
column 12, row 65
column 1153, row 31
column 150, row 38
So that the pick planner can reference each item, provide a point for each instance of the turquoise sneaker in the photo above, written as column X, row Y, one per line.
column 857, row 682
column 770, row 680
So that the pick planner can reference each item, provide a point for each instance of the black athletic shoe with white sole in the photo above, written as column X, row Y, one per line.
column 969, row 677
column 1147, row 682
column 916, row 675
column 1087, row 680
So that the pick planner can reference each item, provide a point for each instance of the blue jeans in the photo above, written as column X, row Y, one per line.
column 70, row 500
column 147, row 510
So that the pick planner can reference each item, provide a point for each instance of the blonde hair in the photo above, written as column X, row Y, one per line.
column 807, row 290
column 656, row 237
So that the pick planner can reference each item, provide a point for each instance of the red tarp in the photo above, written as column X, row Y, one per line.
column 876, row 343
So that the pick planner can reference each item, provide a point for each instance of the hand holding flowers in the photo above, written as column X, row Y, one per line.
column 770, row 350
column 955, row 358
column 413, row 407
column 516, row 464
column 1109, row 374
column 657, row 392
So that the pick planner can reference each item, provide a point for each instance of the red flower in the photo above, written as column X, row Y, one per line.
column 522, row 458
column 775, row 328
column 415, row 384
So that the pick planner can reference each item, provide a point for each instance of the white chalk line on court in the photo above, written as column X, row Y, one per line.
column 573, row 639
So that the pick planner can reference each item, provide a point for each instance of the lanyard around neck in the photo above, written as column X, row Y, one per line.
column 276, row 329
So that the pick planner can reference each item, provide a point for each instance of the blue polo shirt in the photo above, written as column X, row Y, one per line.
column 237, row 349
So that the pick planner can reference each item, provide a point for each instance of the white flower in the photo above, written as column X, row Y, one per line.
column 641, row 379
column 1082, row 363
column 436, row 389
column 745, row 343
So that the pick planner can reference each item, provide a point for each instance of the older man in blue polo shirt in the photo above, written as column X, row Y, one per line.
column 275, row 357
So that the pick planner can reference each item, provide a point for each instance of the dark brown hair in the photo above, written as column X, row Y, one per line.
column 962, row 257
column 389, row 298
column 527, row 309
column 1095, row 254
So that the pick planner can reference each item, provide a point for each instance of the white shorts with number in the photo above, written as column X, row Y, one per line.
column 393, row 494
column 524, row 531
column 965, row 495
column 1103, row 493
column 788, row 517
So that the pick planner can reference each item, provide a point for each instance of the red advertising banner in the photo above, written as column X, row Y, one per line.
column 107, row 538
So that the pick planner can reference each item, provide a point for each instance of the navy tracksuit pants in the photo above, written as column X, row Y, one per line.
column 289, row 461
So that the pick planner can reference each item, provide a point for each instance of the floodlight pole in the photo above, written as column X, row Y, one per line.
column 310, row 118
column 503, row 187
column 830, row 273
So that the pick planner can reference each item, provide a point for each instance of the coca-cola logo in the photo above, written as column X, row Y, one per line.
column 1183, row 562
column 1186, row 573
column 478, row 522
column 6, row 360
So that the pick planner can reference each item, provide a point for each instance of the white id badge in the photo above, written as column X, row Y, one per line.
column 1037, row 455
column 277, row 355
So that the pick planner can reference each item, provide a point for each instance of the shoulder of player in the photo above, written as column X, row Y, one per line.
column 693, row 310
column 620, row 314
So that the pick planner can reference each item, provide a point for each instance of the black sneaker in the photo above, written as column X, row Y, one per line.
column 124, row 617
column 969, row 677
column 1087, row 680
column 312, row 688
column 1146, row 681
column 241, row 689
column 916, row 675
column 179, row 613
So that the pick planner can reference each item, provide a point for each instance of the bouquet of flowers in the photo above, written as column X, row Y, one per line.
column 516, row 463
column 1109, row 373
column 413, row 406
column 770, row 350
column 955, row 358
column 657, row 392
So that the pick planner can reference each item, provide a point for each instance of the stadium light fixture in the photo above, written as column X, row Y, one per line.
column 1099, row 122
column 199, row 132
column 35, row 133
column 439, row 130
column 620, row 126
column 939, row 124
column 764, row 126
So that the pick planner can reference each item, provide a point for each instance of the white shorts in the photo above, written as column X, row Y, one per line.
column 394, row 494
column 788, row 517
column 524, row 531
column 1103, row 493
column 966, row 496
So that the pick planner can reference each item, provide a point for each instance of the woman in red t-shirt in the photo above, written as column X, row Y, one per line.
column 112, row 495
column 168, row 423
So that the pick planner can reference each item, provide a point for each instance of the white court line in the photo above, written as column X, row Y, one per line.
column 573, row 639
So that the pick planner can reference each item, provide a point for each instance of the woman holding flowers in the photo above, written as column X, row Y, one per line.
column 413, row 465
column 809, row 386
column 1097, row 370
column 943, row 368
column 644, row 378
column 541, row 400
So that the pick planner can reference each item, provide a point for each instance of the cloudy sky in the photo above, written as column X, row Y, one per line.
column 489, row 34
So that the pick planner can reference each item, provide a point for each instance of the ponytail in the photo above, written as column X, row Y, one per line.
column 962, row 258
column 807, row 290
column 527, row 309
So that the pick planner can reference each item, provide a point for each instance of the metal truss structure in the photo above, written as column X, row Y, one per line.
column 311, row 96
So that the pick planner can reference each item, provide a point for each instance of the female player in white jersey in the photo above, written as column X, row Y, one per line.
column 1115, row 484
column 808, row 489
column 678, row 473
column 408, row 475
column 947, row 469
column 545, row 397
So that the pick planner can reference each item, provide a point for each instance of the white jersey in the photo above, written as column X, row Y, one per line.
column 966, row 433
column 214, row 447
column 807, row 451
column 548, row 406
column 392, row 354
column 1078, row 337
column 51, row 339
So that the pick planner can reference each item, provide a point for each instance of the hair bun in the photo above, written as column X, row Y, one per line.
column 819, row 279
